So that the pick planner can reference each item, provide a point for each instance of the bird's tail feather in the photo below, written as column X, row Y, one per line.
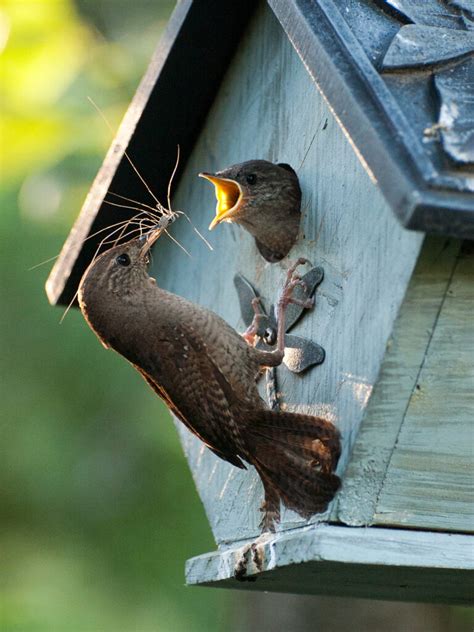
column 295, row 456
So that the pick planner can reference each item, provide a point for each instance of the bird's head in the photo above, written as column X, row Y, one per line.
column 120, row 270
column 246, row 192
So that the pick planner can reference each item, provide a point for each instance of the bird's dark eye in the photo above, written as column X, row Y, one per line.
column 251, row 178
column 123, row 260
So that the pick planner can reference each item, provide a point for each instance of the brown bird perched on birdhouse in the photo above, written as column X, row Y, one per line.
column 206, row 373
column 262, row 197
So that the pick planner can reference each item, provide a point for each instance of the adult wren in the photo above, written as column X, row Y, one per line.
column 206, row 373
column 262, row 197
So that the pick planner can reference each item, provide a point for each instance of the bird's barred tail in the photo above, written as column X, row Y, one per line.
column 295, row 456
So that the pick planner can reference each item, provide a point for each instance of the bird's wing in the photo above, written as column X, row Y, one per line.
column 194, row 389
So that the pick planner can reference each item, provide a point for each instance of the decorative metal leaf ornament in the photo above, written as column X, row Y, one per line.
column 415, row 45
column 300, row 353
column 442, row 33
column 430, row 12
column 456, row 117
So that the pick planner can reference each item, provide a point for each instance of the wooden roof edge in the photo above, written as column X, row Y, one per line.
column 171, row 104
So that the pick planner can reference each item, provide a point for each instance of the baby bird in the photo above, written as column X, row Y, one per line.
column 206, row 373
column 265, row 199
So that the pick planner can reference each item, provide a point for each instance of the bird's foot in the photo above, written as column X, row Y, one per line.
column 241, row 566
column 292, row 280
column 251, row 334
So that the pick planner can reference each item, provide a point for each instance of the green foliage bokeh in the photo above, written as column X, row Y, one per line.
column 98, row 509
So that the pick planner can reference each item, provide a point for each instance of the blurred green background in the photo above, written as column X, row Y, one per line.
column 98, row 508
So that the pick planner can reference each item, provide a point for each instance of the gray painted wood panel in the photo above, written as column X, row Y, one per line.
column 429, row 480
column 406, row 351
column 328, row 560
column 268, row 107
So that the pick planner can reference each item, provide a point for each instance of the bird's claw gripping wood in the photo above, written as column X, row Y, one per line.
column 286, row 298
column 292, row 280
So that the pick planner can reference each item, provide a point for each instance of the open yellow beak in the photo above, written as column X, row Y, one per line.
column 228, row 195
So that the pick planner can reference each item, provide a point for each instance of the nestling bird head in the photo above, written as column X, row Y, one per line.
column 264, row 198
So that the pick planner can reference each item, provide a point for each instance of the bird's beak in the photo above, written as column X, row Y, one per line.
column 149, row 239
column 228, row 195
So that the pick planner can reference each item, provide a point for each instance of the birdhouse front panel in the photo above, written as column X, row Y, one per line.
column 268, row 107
column 412, row 462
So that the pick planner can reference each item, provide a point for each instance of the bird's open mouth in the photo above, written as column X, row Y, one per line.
column 228, row 195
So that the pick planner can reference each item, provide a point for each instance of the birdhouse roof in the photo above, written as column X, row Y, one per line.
column 397, row 75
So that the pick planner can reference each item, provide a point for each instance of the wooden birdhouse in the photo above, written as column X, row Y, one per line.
column 372, row 104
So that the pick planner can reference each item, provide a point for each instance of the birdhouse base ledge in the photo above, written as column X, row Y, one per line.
column 373, row 563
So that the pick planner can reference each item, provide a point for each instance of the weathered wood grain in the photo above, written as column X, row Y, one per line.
column 268, row 107
column 429, row 480
column 399, row 376
column 328, row 560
